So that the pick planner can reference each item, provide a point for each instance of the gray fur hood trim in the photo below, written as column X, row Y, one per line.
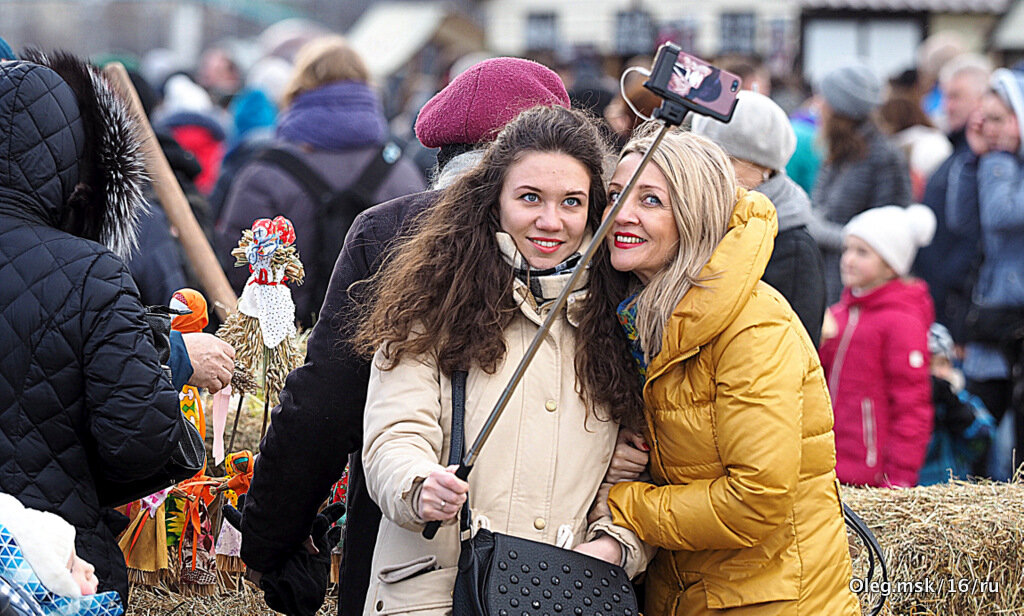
column 107, row 200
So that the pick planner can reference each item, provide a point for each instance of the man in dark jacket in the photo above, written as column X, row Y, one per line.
column 319, row 421
column 83, row 398
column 949, row 264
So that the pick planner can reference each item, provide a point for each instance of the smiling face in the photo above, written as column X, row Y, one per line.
column 644, row 236
column 543, row 205
column 861, row 268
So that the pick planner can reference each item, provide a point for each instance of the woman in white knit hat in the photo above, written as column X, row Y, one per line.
column 877, row 360
column 760, row 141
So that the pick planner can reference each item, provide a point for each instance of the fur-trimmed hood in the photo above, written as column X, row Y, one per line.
column 73, row 158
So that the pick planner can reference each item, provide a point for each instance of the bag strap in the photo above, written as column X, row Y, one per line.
column 861, row 529
column 365, row 187
column 458, row 435
column 311, row 182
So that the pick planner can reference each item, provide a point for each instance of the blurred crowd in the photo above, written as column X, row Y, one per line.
column 293, row 131
column 900, row 202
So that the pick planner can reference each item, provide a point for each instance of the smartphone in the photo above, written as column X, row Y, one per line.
column 693, row 83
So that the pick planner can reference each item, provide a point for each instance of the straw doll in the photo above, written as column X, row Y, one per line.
column 262, row 330
column 238, row 469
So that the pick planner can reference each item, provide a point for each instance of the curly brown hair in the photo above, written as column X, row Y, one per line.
column 447, row 290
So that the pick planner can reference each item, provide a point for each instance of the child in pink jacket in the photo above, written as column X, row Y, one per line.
column 876, row 358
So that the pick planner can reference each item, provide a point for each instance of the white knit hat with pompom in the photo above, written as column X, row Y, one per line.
column 895, row 233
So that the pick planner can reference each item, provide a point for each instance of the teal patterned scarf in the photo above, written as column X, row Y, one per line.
column 627, row 317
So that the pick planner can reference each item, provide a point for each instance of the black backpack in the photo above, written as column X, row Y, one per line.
column 336, row 209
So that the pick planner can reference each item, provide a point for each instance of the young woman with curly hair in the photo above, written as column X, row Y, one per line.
column 468, row 292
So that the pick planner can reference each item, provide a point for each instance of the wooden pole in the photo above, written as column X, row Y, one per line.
column 174, row 202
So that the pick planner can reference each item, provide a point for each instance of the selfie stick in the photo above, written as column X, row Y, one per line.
column 670, row 114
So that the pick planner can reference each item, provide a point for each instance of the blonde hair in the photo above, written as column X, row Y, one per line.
column 702, row 190
column 321, row 61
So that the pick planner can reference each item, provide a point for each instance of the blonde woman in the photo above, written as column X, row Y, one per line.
column 744, row 504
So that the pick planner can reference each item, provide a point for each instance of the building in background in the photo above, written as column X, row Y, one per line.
column 133, row 27
column 1008, row 35
column 808, row 36
column 886, row 33
column 626, row 28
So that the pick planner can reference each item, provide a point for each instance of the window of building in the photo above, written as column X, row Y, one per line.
column 738, row 30
column 541, row 31
column 634, row 33
column 682, row 32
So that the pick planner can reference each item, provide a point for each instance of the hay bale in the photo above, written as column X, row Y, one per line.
column 247, row 600
column 953, row 549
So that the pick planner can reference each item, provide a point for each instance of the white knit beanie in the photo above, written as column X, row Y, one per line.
column 759, row 131
column 894, row 232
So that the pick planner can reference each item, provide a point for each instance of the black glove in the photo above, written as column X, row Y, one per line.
column 958, row 415
column 298, row 587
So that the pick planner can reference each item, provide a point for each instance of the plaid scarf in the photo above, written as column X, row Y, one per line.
column 544, row 284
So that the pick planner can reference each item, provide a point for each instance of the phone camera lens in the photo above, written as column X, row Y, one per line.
column 735, row 85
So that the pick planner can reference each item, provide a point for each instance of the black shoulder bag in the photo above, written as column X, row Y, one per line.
column 188, row 456
column 502, row 575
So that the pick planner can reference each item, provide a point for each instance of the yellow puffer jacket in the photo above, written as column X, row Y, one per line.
column 745, row 503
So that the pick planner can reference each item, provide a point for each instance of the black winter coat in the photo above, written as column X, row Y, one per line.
column 796, row 270
column 82, row 394
column 320, row 421
column 950, row 263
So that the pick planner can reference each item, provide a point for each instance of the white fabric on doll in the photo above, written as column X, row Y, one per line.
column 46, row 541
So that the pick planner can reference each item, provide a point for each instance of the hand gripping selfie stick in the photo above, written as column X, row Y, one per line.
column 670, row 114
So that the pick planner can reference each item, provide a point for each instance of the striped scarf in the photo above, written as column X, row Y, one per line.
column 544, row 284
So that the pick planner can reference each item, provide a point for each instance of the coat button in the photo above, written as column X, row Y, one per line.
column 380, row 606
column 539, row 523
column 551, row 406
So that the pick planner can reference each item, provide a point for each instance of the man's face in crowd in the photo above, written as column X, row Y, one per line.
column 963, row 95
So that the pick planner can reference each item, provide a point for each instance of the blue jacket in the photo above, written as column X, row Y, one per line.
column 988, row 193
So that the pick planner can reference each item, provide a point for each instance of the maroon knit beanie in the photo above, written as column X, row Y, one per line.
column 477, row 104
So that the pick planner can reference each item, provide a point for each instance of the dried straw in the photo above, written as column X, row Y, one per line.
column 961, row 543
column 247, row 600
column 953, row 549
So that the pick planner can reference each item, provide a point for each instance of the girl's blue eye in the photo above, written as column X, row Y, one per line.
column 651, row 200
column 573, row 201
column 530, row 197
column 613, row 196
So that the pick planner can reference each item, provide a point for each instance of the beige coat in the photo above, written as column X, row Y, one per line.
column 535, row 478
